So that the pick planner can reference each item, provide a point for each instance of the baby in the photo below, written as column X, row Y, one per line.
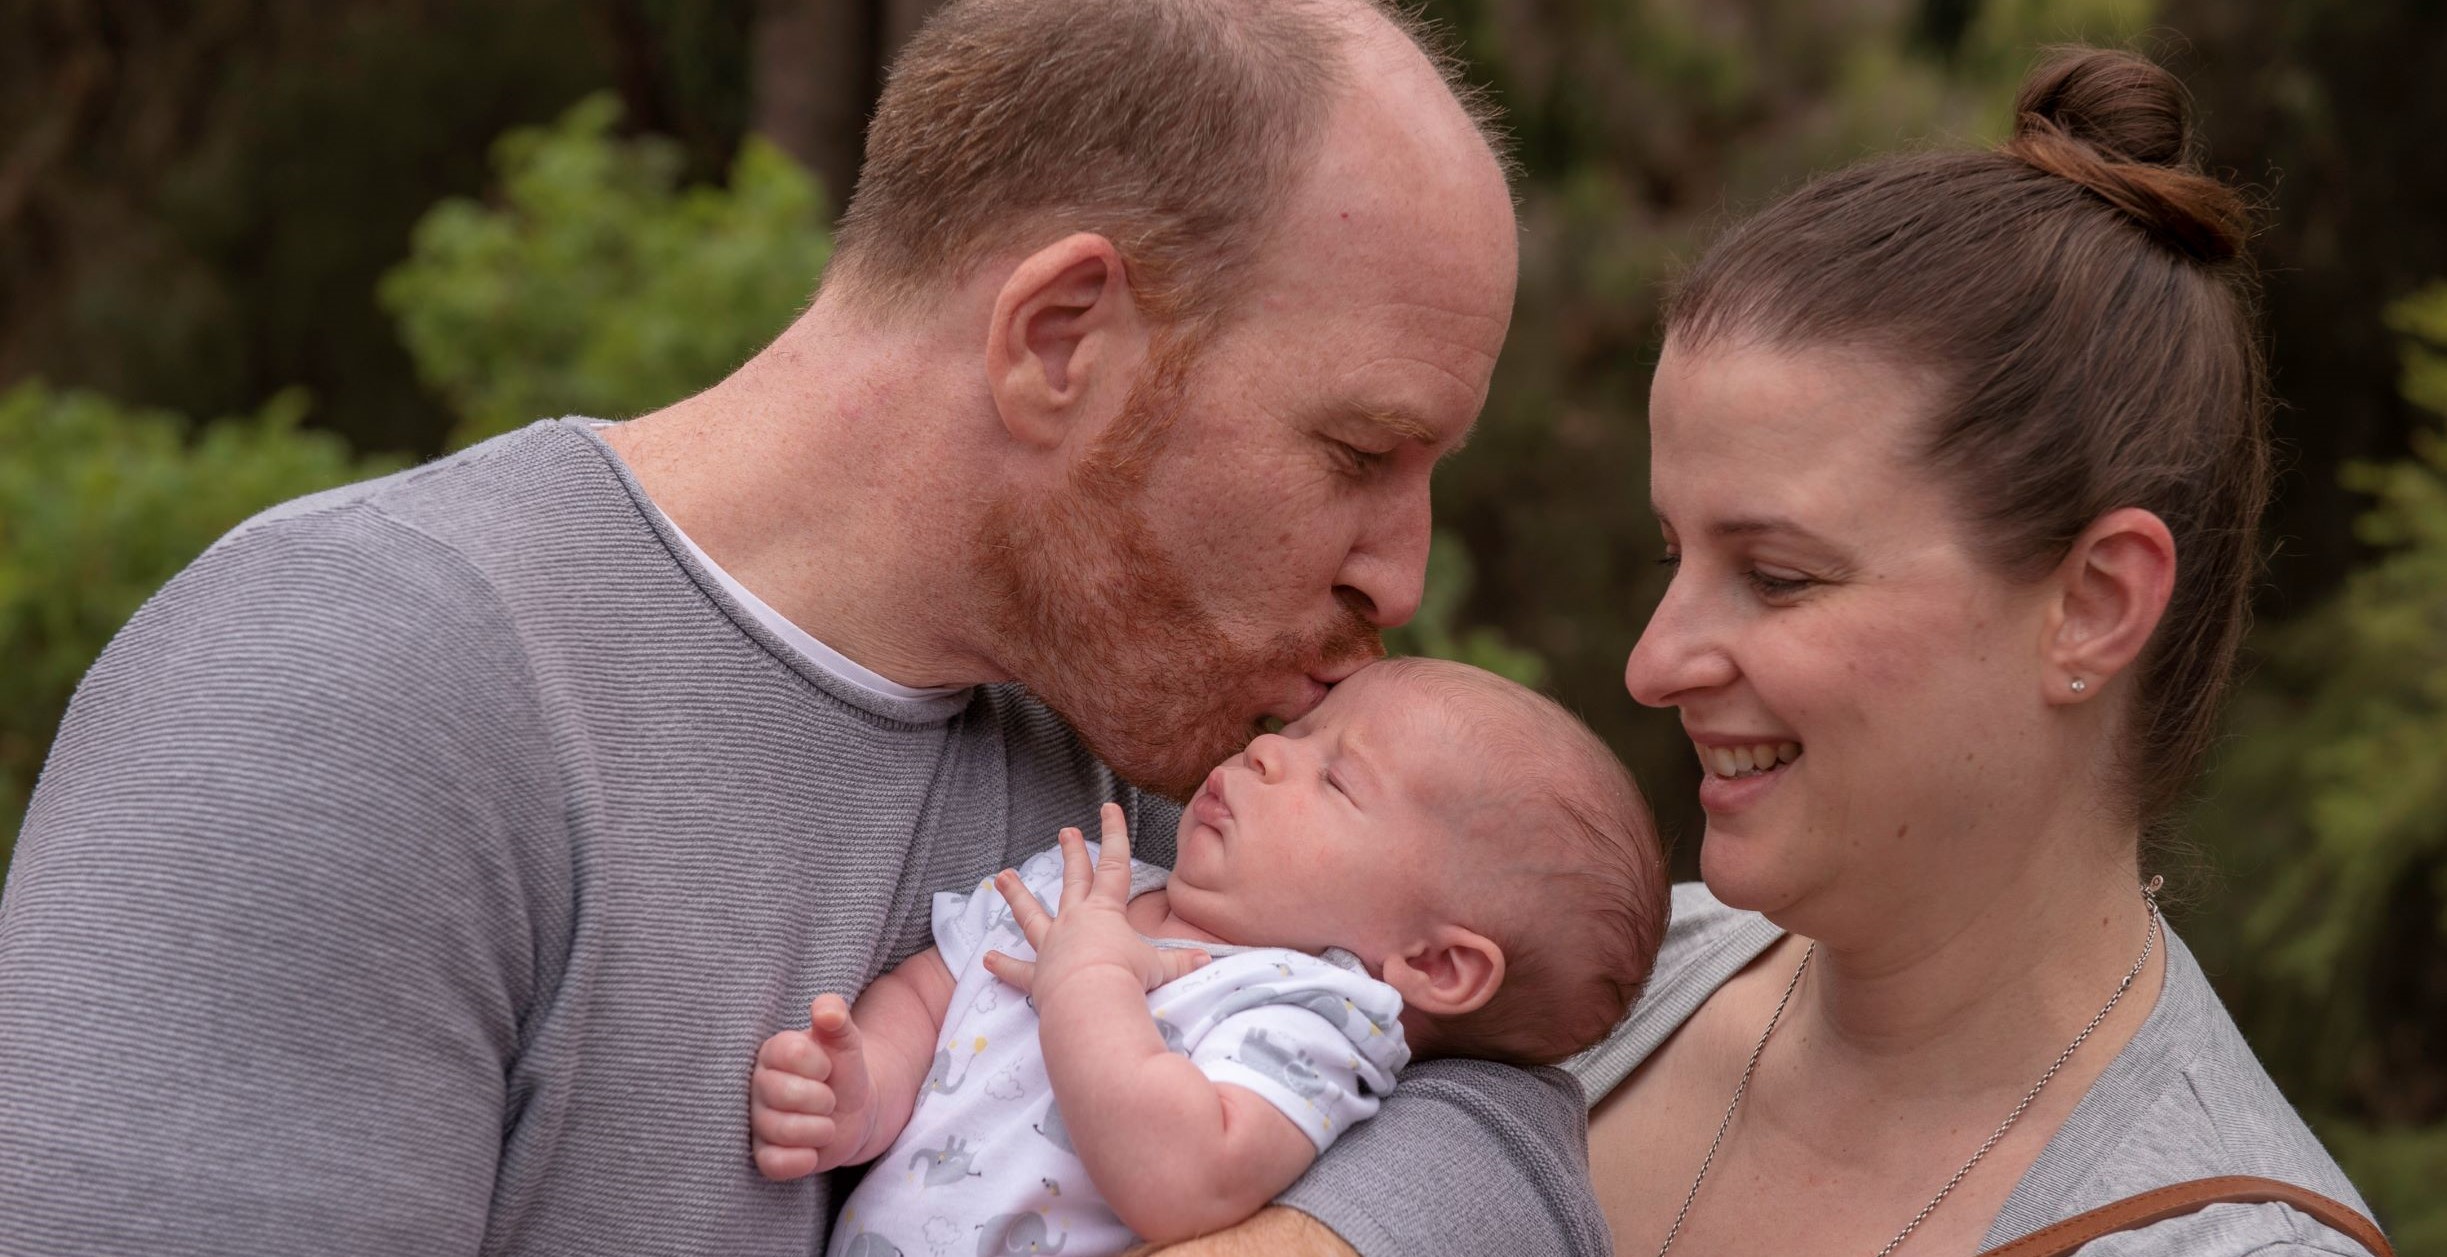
column 1433, row 862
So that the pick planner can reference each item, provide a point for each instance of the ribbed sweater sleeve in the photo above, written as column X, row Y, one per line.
column 270, row 928
column 1465, row 1157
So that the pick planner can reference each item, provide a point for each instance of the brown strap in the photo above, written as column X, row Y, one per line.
column 2134, row 1212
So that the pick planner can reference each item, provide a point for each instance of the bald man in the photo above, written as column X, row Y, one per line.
column 419, row 871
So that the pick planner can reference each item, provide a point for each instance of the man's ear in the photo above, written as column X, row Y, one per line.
column 2111, row 591
column 1450, row 972
column 1065, row 333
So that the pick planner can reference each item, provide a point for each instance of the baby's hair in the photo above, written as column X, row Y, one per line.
column 1564, row 824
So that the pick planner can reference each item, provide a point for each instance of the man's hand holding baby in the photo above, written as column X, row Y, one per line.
column 812, row 1105
column 1092, row 940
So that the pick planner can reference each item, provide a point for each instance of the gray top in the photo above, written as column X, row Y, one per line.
column 419, row 871
column 2185, row 1099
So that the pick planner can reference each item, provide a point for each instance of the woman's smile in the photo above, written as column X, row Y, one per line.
column 1740, row 769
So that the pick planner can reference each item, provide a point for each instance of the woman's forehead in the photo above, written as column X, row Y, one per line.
column 1751, row 439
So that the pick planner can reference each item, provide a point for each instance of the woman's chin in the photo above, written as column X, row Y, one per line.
column 1748, row 871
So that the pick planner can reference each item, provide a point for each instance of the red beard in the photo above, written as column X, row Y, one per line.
column 1093, row 616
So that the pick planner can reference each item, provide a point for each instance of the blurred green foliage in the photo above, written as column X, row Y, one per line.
column 597, row 285
column 1436, row 628
column 99, row 504
column 2329, row 813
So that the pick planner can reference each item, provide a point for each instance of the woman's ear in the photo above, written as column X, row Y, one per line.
column 2112, row 589
column 1064, row 326
column 1450, row 972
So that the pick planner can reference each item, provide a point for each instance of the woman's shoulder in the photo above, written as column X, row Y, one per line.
column 1706, row 943
column 2185, row 1099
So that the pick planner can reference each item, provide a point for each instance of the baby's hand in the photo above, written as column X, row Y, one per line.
column 1092, row 931
column 812, row 1103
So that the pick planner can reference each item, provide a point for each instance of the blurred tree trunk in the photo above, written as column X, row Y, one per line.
column 818, row 66
column 2332, row 107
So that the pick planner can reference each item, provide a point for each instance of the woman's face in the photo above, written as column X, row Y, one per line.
column 1865, row 694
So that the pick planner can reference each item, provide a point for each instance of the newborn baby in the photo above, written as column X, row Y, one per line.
column 1433, row 862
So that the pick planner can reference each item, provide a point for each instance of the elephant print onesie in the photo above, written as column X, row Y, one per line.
column 984, row 1167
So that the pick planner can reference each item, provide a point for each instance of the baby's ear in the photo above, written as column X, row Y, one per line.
column 1450, row 972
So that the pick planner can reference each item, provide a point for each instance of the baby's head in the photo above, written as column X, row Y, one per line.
column 1479, row 847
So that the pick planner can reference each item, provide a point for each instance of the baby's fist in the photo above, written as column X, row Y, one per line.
column 810, row 1102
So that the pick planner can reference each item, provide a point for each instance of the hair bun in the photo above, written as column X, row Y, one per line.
column 2121, row 125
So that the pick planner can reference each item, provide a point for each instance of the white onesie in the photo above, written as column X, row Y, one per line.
column 985, row 1167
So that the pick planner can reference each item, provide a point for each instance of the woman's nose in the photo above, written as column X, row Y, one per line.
column 1677, row 654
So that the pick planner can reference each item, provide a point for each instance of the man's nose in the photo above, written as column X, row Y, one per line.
column 1385, row 573
column 1678, row 653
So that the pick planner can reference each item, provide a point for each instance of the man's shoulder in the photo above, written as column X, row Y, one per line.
column 498, row 491
column 392, row 586
column 458, row 545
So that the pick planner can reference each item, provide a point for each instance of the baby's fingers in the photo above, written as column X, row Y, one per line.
column 782, row 1164
column 1178, row 962
column 1026, row 912
column 787, row 1093
column 795, row 1052
column 1019, row 973
column 1078, row 873
column 792, row 1130
column 1113, row 862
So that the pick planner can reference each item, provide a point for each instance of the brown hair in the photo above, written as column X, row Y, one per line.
column 1171, row 127
column 1563, row 871
column 2082, row 296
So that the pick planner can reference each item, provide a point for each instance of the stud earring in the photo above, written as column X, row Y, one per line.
column 2079, row 685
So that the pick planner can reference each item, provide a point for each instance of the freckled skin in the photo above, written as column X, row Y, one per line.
column 1391, row 285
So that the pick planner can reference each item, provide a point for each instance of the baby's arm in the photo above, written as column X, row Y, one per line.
column 1175, row 1153
column 839, row 1092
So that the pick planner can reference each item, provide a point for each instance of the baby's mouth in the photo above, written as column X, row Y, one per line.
column 1733, row 762
column 1208, row 804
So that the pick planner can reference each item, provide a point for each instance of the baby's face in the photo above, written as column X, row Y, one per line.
column 1329, row 833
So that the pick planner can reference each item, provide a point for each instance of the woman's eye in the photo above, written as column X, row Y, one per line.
column 1670, row 559
column 1774, row 585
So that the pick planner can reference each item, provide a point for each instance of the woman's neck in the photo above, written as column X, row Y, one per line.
column 1972, row 992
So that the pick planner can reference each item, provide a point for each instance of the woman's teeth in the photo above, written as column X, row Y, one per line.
column 1747, row 761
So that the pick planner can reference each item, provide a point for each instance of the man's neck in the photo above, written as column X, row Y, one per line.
column 822, row 476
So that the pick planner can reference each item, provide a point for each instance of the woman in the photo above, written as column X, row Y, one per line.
column 1959, row 458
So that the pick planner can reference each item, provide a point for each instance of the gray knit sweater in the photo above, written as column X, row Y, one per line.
column 419, row 871
column 2183, row 1100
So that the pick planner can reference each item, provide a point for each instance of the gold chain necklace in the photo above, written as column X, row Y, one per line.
column 2149, row 895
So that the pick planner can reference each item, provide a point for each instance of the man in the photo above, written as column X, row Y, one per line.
column 420, row 869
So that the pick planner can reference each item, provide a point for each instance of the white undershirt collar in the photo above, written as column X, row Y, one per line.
column 799, row 639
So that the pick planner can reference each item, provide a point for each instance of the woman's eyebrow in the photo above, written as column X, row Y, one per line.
column 1763, row 526
column 1750, row 526
column 1753, row 525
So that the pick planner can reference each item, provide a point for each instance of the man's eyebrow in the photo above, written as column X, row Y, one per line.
column 1401, row 423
